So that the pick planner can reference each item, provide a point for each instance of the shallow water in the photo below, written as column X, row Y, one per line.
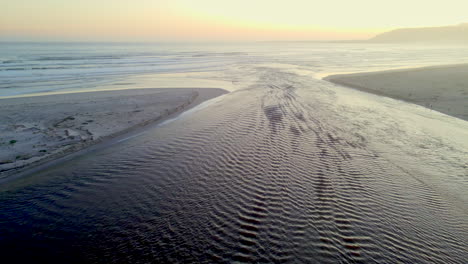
column 29, row 68
column 288, row 169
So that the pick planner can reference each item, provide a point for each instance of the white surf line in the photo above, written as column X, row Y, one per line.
column 193, row 110
column 181, row 115
column 132, row 136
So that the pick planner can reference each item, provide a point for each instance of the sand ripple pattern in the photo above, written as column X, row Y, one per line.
column 264, row 177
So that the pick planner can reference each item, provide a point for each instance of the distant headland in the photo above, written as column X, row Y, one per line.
column 445, row 34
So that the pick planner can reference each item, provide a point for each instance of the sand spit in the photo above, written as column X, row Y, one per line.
column 41, row 128
column 441, row 88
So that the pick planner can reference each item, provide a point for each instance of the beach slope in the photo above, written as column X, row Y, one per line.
column 441, row 88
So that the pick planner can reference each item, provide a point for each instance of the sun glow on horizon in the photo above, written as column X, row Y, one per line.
column 242, row 20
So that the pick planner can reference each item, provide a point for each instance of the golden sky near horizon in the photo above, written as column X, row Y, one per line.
column 206, row 20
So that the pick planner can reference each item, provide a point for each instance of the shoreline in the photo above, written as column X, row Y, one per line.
column 186, row 98
column 443, row 88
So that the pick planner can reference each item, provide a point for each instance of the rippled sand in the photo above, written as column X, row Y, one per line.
column 290, row 169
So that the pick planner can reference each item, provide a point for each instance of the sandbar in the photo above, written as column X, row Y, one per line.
column 440, row 88
column 37, row 129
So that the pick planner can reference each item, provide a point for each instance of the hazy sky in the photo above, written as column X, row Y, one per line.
column 206, row 20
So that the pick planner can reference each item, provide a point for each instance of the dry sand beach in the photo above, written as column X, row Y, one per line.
column 441, row 88
column 39, row 128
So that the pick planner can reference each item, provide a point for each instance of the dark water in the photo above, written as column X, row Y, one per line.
column 265, row 175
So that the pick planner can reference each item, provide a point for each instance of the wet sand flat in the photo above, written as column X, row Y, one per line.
column 288, row 170
column 441, row 88
column 38, row 128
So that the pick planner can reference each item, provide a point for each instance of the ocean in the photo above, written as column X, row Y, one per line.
column 33, row 68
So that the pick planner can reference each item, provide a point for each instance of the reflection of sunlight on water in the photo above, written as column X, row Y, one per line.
column 150, row 66
column 171, row 80
column 428, row 144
